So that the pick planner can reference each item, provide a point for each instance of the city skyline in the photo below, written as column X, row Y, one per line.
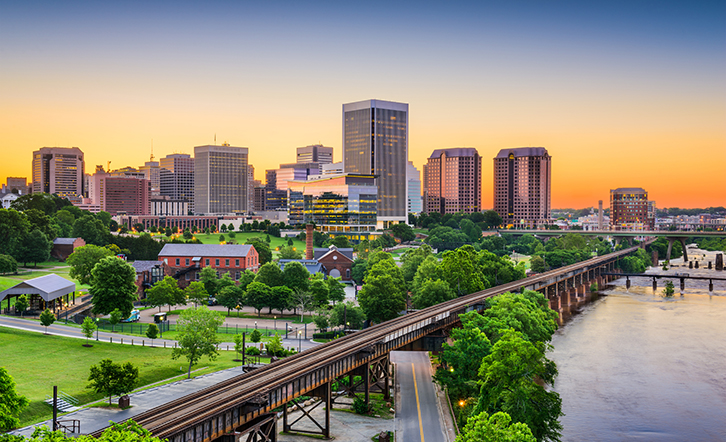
column 621, row 94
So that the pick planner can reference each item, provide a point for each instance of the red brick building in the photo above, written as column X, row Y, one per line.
column 63, row 247
column 336, row 262
column 629, row 209
column 149, row 273
column 187, row 260
column 121, row 195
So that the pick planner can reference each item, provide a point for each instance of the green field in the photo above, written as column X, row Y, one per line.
column 240, row 238
column 10, row 280
column 37, row 362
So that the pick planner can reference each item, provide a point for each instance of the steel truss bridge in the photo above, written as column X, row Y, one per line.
column 243, row 408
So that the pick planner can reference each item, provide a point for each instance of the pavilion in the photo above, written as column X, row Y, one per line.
column 43, row 292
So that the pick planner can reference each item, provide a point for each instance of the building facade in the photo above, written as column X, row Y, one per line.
column 125, row 196
column 16, row 185
column 316, row 153
column 59, row 170
column 522, row 186
column 375, row 142
column 176, row 178
column 168, row 207
column 187, row 260
column 220, row 179
column 452, row 181
column 415, row 202
column 151, row 172
column 631, row 210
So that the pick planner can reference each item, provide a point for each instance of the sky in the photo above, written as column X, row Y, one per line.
column 621, row 93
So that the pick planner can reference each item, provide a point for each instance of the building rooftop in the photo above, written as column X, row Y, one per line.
column 629, row 190
column 142, row 266
column 522, row 152
column 223, row 250
column 64, row 241
column 455, row 152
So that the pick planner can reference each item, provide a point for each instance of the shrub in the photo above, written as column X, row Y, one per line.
column 360, row 406
column 252, row 351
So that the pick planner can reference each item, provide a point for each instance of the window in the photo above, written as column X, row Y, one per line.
column 196, row 276
column 226, row 262
column 236, row 262
column 187, row 276
column 177, row 262
column 216, row 262
column 236, row 276
column 206, row 262
column 186, row 261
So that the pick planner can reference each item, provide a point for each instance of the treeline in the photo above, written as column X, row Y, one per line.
column 675, row 211
column 496, row 371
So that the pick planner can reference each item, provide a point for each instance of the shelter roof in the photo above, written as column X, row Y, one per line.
column 49, row 287
column 311, row 265
column 64, row 241
column 320, row 252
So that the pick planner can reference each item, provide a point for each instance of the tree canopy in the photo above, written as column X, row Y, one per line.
column 83, row 259
column 113, row 287
column 197, row 335
column 113, row 379
column 11, row 403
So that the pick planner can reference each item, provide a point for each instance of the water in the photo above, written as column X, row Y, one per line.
column 635, row 366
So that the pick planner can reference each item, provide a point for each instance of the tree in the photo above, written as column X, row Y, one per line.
column 83, row 259
column 238, row 344
column 221, row 237
column 358, row 270
column 322, row 318
column 263, row 249
column 113, row 379
column 13, row 228
column 152, row 332
column 47, row 318
column 295, row 276
column 302, row 299
column 223, row 228
column 92, row 230
column 208, row 277
column 510, row 380
column 197, row 335
column 471, row 230
column 319, row 290
column 258, row 296
column 348, row 315
column 495, row 428
column 196, row 293
column 280, row 298
column 11, row 403
column 669, row 289
column 289, row 252
column 336, row 289
column 165, row 292
column 274, row 347
column 113, row 287
column 35, row 248
column 460, row 269
column 187, row 234
column 431, row 293
column 528, row 313
column 341, row 242
column 39, row 220
column 492, row 219
column 128, row 431
column 231, row 297
column 8, row 264
column 428, row 269
column 271, row 275
column 384, row 294
column 114, row 318
column 22, row 304
column 88, row 327
column 537, row 264
column 403, row 232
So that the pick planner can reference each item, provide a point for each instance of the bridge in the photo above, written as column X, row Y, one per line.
column 671, row 236
column 246, row 405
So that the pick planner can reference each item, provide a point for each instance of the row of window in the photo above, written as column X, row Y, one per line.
column 177, row 262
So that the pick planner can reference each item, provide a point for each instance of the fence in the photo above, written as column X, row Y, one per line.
column 140, row 329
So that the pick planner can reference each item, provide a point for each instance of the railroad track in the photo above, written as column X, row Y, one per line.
column 176, row 416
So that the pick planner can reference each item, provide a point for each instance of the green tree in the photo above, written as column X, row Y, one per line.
column 238, row 345
column 347, row 314
column 221, row 237
column 432, row 293
column 358, row 270
column 304, row 300
column 8, row 264
column 187, row 234
column 22, row 304
column 231, row 297
column 461, row 270
column 341, row 242
column 322, row 318
column 280, row 298
column 263, row 249
column 11, row 403
column 258, row 296
column 274, row 347
column 47, row 318
column 92, row 230
column 270, row 274
column 538, row 264
column 295, row 276
column 510, row 380
column 495, row 428
column 411, row 260
column 165, row 292
column 208, row 277
column 528, row 313
column 39, row 220
column 319, row 290
column 152, row 332
column 471, row 230
column 35, row 248
column 88, row 327
column 384, row 294
column 492, row 219
column 225, row 281
column 669, row 289
column 197, row 335
column 403, row 232
column 113, row 287
column 114, row 318
column 289, row 252
column 255, row 336
column 196, row 293
column 429, row 269
column 445, row 238
column 336, row 289
column 83, row 259
column 113, row 379
column 13, row 228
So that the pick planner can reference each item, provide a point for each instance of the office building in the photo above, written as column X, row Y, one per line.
column 176, row 178
column 251, row 183
column 375, row 142
column 452, row 181
column 415, row 202
column 16, row 185
column 259, row 200
column 128, row 172
column 59, row 170
column 150, row 169
column 316, row 153
column 522, row 186
column 167, row 207
column 220, row 179
column 631, row 210
column 124, row 195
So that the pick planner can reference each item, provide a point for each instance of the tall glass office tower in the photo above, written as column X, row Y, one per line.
column 375, row 142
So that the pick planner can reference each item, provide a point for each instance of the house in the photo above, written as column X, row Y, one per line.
column 63, row 247
column 149, row 273
column 337, row 262
column 187, row 260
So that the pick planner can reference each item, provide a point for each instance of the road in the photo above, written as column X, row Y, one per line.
column 417, row 413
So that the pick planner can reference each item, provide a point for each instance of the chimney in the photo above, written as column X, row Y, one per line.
column 309, row 241
column 599, row 215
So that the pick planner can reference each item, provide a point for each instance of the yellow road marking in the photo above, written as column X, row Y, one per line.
column 418, row 406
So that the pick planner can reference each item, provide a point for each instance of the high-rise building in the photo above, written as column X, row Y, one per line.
column 125, row 195
column 220, row 179
column 151, row 173
column 59, row 170
column 16, row 185
column 316, row 153
column 251, row 186
column 128, row 172
column 259, row 201
column 176, row 178
column 522, row 186
column 631, row 210
column 452, row 181
column 375, row 142
column 413, row 176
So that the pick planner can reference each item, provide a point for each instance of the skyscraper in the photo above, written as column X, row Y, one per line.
column 522, row 186
column 375, row 142
column 59, row 170
column 413, row 176
column 176, row 178
column 220, row 179
column 151, row 173
column 630, row 209
column 316, row 153
column 452, row 181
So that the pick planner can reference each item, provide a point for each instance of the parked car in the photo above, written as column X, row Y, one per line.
column 133, row 318
column 212, row 301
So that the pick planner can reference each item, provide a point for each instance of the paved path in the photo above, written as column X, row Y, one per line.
column 417, row 411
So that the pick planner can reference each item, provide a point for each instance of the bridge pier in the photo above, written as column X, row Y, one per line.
column 323, row 392
column 670, row 246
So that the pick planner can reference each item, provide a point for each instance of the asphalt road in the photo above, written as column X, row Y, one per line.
column 417, row 412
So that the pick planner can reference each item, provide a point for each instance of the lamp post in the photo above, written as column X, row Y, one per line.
column 299, row 341
column 275, row 324
column 255, row 325
column 97, row 329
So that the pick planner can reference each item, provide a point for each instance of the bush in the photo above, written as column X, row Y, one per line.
column 252, row 351
column 360, row 406
column 328, row 335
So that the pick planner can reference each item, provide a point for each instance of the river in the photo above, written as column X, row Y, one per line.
column 635, row 366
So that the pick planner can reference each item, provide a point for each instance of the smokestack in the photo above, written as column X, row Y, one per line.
column 599, row 215
column 308, row 241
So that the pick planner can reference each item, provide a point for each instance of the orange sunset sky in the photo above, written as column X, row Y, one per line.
column 621, row 96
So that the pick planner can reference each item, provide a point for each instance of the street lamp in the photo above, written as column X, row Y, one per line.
column 255, row 325
column 275, row 324
column 299, row 341
column 96, row 329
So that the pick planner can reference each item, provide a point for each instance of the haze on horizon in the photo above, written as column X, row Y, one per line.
column 621, row 93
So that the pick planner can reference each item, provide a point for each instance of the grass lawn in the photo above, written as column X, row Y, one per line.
column 10, row 280
column 37, row 362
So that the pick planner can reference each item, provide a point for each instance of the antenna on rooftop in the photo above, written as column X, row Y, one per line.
column 152, row 150
column 215, row 139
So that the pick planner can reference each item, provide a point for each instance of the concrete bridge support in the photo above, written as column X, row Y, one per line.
column 670, row 246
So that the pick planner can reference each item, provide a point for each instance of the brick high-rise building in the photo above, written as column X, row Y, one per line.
column 129, row 196
column 220, row 179
column 631, row 210
column 522, row 186
column 59, row 170
column 452, row 181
